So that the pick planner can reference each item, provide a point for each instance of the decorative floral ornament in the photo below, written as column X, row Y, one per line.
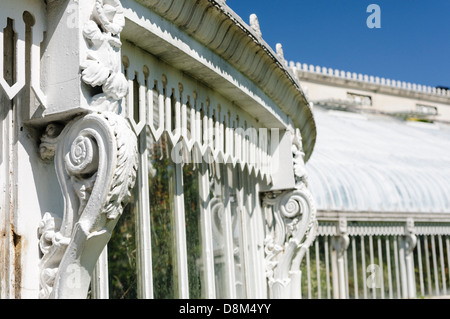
column 102, row 66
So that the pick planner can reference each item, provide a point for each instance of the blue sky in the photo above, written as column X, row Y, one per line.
column 412, row 45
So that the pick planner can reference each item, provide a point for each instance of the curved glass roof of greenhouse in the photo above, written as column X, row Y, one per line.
column 376, row 163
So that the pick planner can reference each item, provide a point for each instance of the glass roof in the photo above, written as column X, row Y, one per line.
column 376, row 163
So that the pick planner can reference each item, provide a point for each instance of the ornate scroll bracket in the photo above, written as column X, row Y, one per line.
column 291, row 227
column 96, row 163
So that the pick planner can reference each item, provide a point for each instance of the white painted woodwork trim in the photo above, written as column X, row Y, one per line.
column 180, row 234
column 206, row 232
column 15, row 10
column 143, row 224
column 228, row 235
column 9, row 10
column 280, row 86
column 100, row 277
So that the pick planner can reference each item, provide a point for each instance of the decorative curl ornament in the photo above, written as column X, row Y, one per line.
column 83, row 156
column 290, row 206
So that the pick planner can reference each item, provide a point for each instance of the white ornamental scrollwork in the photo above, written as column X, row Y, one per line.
column 291, row 227
column 96, row 163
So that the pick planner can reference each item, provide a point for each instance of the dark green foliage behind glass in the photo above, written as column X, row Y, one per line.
column 162, row 222
column 122, row 256
column 193, row 231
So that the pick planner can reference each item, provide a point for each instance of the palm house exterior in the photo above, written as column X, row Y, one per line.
column 380, row 177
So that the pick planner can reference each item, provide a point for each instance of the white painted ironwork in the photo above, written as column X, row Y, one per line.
column 22, row 27
column 194, row 117
column 408, row 265
column 204, row 129
column 22, row 14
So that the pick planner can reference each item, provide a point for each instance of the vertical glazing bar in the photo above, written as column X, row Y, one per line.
column 380, row 260
column 327, row 266
column 228, row 236
column 335, row 270
column 388, row 259
column 363, row 260
column 403, row 268
column 374, row 291
column 397, row 267
column 319, row 291
column 435, row 266
column 419, row 257
column 260, row 254
column 100, row 284
column 143, row 225
column 206, row 232
column 347, row 293
column 251, row 257
column 427, row 264
column 308, row 273
column 441, row 255
column 180, row 234
column 245, row 212
column 355, row 267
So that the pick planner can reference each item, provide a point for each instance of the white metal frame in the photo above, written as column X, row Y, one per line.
column 374, row 242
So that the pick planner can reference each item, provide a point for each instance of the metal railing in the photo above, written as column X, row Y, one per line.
column 375, row 267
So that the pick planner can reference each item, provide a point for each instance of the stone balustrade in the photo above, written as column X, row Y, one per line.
column 297, row 67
